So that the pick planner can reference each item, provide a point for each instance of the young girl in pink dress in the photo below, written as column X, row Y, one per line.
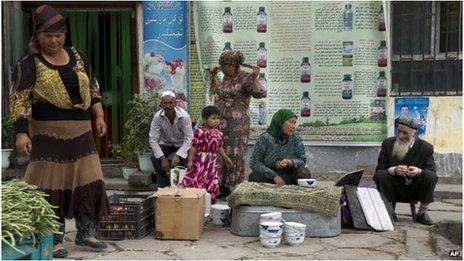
column 203, row 166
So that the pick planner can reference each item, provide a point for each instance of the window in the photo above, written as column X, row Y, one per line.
column 426, row 48
column 450, row 27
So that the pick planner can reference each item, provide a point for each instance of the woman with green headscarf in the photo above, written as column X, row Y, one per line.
column 279, row 155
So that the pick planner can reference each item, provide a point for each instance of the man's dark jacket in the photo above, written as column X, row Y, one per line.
column 420, row 155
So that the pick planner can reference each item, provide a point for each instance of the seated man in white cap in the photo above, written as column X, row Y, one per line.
column 170, row 138
column 406, row 170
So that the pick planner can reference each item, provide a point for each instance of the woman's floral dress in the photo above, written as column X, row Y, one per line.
column 232, row 97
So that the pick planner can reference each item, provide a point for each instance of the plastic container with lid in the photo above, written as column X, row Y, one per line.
column 305, row 105
column 348, row 18
column 262, row 20
column 262, row 56
column 228, row 21
column 305, row 70
column 347, row 87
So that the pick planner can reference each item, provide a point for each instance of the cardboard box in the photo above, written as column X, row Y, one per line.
column 179, row 213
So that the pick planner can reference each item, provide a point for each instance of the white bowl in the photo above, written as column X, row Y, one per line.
column 219, row 221
column 270, row 242
column 271, row 217
column 219, row 210
column 294, row 241
column 269, row 236
column 294, row 227
column 219, row 207
column 270, row 225
column 295, row 234
column 219, row 214
column 271, row 232
column 220, row 218
column 308, row 183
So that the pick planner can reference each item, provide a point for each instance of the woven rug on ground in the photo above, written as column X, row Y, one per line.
column 325, row 201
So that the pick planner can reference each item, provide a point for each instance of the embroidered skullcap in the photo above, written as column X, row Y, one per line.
column 232, row 58
column 409, row 122
column 168, row 93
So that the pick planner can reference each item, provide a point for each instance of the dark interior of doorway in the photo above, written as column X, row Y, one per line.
column 105, row 37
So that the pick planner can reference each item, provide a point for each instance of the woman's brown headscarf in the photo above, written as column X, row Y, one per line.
column 46, row 19
column 232, row 58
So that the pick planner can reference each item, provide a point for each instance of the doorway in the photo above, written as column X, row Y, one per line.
column 105, row 38
column 106, row 33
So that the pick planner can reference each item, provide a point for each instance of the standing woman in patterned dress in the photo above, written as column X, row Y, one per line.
column 232, row 97
column 53, row 97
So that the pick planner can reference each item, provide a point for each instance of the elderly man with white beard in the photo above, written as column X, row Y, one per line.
column 406, row 169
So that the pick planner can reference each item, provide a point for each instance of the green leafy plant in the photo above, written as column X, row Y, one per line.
column 7, row 133
column 142, row 109
column 126, row 150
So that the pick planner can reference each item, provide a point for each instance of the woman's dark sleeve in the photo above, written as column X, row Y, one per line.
column 300, row 154
column 257, row 158
column 20, row 95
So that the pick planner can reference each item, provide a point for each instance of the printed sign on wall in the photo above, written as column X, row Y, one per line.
column 326, row 61
column 165, row 47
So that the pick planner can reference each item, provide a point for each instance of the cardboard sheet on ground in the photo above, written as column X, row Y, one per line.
column 374, row 209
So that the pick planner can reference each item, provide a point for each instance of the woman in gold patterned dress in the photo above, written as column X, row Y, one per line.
column 53, row 97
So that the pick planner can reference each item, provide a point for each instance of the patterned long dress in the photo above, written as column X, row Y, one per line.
column 205, row 171
column 52, row 103
column 232, row 97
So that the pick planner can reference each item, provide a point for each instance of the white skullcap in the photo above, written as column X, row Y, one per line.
column 168, row 93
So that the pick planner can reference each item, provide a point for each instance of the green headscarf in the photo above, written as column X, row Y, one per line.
column 278, row 120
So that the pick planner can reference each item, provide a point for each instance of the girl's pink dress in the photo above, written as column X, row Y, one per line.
column 205, row 171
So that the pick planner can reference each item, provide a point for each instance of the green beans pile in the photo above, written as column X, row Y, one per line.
column 25, row 213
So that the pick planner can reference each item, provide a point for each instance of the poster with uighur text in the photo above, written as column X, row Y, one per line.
column 326, row 61
column 165, row 48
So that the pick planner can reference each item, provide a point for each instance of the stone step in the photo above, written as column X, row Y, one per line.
column 336, row 176
column 110, row 161
column 442, row 191
column 112, row 171
column 120, row 184
column 445, row 191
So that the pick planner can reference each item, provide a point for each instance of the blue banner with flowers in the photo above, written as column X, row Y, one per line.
column 165, row 47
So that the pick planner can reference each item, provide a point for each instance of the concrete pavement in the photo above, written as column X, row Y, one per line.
column 409, row 240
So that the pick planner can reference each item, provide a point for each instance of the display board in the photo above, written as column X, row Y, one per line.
column 326, row 61
column 165, row 48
